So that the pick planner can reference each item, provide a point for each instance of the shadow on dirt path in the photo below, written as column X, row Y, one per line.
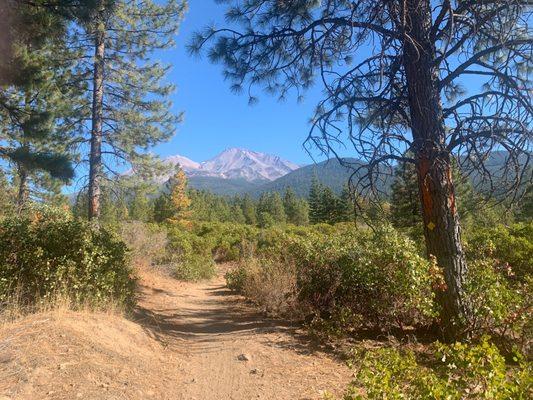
column 229, row 349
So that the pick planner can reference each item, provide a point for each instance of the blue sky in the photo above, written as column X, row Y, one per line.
column 216, row 118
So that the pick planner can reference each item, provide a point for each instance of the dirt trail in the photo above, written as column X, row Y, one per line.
column 229, row 350
column 186, row 342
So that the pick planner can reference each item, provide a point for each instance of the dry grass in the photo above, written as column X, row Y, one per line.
column 15, row 307
column 147, row 242
column 272, row 286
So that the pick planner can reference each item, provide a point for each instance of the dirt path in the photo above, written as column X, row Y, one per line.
column 185, row 342
column 228, row 350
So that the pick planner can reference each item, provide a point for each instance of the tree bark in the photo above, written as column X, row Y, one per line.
column 95, row 159
column 23, row 191
column 441, row 223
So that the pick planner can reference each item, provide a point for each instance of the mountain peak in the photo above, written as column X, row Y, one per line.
column 237, row 163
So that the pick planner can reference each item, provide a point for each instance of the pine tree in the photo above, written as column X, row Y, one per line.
column 346, row 211
column 7, row 196
column 296, row 210
column 525, row 206
column 315, row 202
column 130, row 107
column 38, row 116
column 236, row 213
column 405, row 203
column 290, row 204
column 249, row 210
column 270, row 209
column 301, row 215
column 162, row 210
column 329, row 206
column 139, row 203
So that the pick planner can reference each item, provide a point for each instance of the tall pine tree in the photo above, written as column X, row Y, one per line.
column 130, row 110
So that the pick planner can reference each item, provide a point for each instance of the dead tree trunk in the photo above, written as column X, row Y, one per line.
column 441, row 223
column 95, row 159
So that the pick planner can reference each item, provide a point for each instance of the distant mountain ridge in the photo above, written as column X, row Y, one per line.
column 330, row 173
column 239, row 171
column 235, row 163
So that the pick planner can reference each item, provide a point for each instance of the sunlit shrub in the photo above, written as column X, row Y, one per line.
column 194, row 268
column 377, row 276
column 500, row 307
column 189, row 255
column 454, row 372
column 228, row 242
column 511, row 248
column 47, row 253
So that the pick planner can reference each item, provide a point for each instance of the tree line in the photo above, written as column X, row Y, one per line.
column 131, row 198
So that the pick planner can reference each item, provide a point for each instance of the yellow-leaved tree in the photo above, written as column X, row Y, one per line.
column 180, row 203
column 174, row 206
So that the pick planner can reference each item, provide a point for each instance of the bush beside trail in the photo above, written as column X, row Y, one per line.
column 348, row 279
column 47, row 254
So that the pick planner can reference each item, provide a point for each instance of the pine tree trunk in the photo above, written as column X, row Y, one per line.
column 23, row 191
column 95, row 159
column 441, row 223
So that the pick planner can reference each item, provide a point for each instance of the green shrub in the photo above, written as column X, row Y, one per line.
column 195, row 268
column 49, row 254
column 510, row 248
column 228, row 242
column 500, row 307
column 236, row 278
column 189, row 255
column 458, row 371
column 377, row 277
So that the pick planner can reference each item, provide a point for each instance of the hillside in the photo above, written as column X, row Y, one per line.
column 222, row 186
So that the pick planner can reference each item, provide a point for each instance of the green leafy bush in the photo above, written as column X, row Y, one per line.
column 189, row 255
column 48, row 253
column 500, row 307
column 510, row 248
column 377, row 279
column 454, row 372
column 236, row 278
column 228, row 242
column 194, row 268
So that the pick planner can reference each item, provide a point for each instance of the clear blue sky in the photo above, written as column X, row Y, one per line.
column 216, row 118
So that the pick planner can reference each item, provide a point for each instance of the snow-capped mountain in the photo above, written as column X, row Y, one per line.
column 185, row 163
column 237, row 163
